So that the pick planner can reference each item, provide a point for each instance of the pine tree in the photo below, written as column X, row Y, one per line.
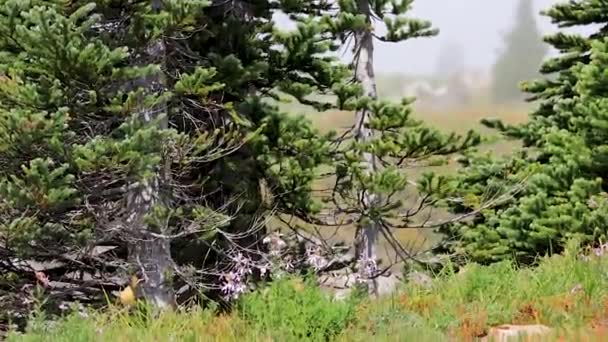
column 370, row 162
column 522, row 56
column 127, row 123
column 560, row 173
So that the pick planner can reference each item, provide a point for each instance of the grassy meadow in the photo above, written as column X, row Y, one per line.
column 568, row 293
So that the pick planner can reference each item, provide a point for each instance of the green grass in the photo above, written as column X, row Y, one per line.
column 458, row 306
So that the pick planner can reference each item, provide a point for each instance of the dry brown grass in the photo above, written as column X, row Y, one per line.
column 458, row 120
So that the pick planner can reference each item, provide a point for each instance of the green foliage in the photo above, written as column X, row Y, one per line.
column 91, row 106
column 566, row 292
column 70, row 120
column 560, row 177
column 292, row 310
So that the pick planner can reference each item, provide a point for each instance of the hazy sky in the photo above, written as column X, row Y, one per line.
column 476, row 25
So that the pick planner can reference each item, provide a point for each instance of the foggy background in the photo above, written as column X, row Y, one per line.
column 475, row 25
column 471, row 62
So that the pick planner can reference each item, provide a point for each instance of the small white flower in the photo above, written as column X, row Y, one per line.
column 601, row 250
column 275, row 242
column 233, row 289
column 263, row 270
column 280, row 243
column 314, row 258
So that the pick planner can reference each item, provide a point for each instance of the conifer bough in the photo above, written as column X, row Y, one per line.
column 563, row 163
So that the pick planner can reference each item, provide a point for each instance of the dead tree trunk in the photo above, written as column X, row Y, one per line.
column 147, row 250
column 367, row 230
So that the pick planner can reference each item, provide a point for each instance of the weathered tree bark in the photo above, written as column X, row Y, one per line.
column 150, row 253
column 367, row 232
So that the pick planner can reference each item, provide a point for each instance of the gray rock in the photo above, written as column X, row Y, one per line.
column 387, row 285
column 341, row 284
column 420, row 279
